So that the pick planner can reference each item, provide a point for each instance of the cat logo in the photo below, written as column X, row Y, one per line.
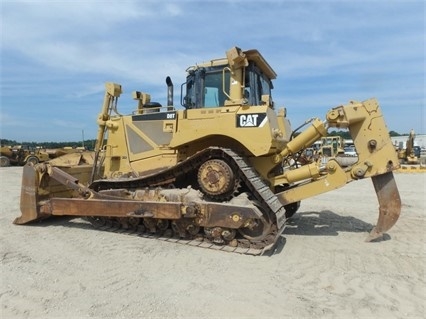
column 251, row 120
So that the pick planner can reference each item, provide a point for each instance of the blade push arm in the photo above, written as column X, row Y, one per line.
column 112, row 93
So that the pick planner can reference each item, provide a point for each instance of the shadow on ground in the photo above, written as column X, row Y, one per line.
column 324, row 223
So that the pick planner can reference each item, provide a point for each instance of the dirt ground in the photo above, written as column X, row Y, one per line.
column 63, row 268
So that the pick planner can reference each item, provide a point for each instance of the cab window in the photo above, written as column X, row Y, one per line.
column 213, row 89
column 256, row 85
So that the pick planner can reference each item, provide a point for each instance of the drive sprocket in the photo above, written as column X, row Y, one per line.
column 216, row 179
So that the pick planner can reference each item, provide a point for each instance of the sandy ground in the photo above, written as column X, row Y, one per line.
column 63, row 268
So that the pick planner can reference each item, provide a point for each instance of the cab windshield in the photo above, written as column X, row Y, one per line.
column 205, row 87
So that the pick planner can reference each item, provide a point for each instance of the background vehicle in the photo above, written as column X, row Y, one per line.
column 332, row 146
column 224, row 173
column 57, row 152
column 350, row 150
column 409, row 154
column 21, row 155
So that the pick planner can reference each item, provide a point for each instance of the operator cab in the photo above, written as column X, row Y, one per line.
column 226, row 82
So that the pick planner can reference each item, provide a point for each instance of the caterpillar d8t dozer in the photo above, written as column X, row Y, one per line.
column 223, row 172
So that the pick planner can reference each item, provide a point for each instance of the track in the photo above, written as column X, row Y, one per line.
column 176, row 177
column 244, row 246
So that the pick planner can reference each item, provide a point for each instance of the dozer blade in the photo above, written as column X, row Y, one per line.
column 389, row 204
column 28, row 195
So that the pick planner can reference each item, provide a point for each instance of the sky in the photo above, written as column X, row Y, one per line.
column 57, row 55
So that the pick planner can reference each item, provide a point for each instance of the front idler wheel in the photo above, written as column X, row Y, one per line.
column 257, row 229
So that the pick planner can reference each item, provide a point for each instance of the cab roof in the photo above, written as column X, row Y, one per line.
column 251, row 55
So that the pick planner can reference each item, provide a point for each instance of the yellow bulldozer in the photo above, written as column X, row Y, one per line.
column 407, row 154
column 21, row 155
column 333, row 147
column 24, row 154
column 220, row 172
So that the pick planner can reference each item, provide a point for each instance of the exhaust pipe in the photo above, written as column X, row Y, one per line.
column 169, row 92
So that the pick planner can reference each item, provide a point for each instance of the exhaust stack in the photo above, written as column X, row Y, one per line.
column 169, row 91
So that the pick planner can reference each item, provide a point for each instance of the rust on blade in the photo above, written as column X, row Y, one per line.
column 389, row 204
column 29, row 209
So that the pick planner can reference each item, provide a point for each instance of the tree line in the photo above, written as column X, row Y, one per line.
column 87, row 144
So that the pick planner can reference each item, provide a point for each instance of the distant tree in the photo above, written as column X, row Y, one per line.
column 347, row 135
column 344, row 134
column 88, row 144
column 5, row 142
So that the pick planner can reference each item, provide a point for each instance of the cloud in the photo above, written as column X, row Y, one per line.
column 57, row 55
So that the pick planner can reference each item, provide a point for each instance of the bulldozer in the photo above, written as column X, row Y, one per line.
column 221, row 171
column 408, row 155
column 333, row 147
